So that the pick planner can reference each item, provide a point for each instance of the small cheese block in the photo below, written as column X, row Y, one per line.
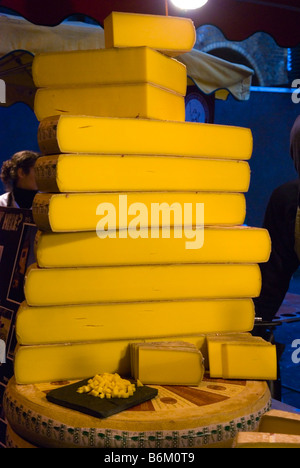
column 265, row 440
column 167, row 363
column 92, row 322
column 142, row 100
column 97, row 135
column 75, row 361
column 249, row 360
column 168, row 34
column 91, row 211
column 108, row 66
column 117, row 173
column 238, row 244
column 214, row 348
column 280, row 422
column 63, row 286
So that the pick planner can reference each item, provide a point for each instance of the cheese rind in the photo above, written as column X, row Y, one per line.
column 280, row 422
column 67, row 324
column 220, row 245
column 59, row 212
column 115, row 173
column 265, row 440
column 167, row 363
column 48, row 363
column 168, row 34
column 144, row 101
column 109, row 66
column 97, row 135
column 54, row 286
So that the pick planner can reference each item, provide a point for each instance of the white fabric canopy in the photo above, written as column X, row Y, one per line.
column 209, row 73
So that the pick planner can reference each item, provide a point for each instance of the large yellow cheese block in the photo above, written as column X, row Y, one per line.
column 238, row 244
column 115, row 173
column 54, row 286
column 108, row 66
column 69, row 361
column 141, row 100
column 139, row 320
column 249, row 360
column 168, row 34
column 84, row 134
column 60, row 212
column 167, row 363
column 280, row 422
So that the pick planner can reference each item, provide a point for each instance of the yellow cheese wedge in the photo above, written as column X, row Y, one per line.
column 280, row 422
column 66, row 324
column 214, row 349
column 167, row 363
column 249, row 360
column 168, row 34
column 82, row 134
column 109, row 66
column 48, row 363
column 54, row 286
column 142, row 100
column 110, row 173
column 60, row 212
column 265, row 440
column 184, row 245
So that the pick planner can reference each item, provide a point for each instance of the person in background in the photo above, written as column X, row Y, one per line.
column 17, row 175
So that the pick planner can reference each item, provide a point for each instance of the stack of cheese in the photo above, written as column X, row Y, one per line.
column 115, row 148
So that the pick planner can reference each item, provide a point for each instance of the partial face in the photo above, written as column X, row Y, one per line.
column 26, row 181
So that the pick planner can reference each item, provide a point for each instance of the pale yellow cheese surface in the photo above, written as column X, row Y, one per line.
column 101, row 173
column 84, row 212
column 143, row 100
column 209, row 245
column 169, row 34
column 92, row 322
column 260, row 440
column 109, row 66
column 74, row 361
column 84, row 134
column 64, row 286
column 280, row 422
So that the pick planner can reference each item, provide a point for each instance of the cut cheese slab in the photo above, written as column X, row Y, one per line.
column 184, row 245
column 167, row 363
column 60, row 212
column 214, row 349
column 168, row 34
column 67, row 324
column 143, row 100
column 256, row 440
column 115, row 173
column 249, row 360
column 108, row 66
column 48, row 363
column 54, row 286
column 280, row 422
column 83, row 134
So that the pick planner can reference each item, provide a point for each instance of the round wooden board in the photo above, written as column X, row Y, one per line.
column 179, row 417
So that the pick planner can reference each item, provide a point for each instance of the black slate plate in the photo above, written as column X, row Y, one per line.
column 68, row 397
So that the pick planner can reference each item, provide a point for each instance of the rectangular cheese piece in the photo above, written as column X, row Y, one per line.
column 167, row 363
column 66, row 324
column 142, row 100
column 251, row 361
column 109, row 66
column 117, row 173
column 97, row 135
column 168, row 34
column 185, row 245
column 265, row 440
column 47, row 363
column 86, row 211
column 214, row 349
column 63, row 286
column 280, row 422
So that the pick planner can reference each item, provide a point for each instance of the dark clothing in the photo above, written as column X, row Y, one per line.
column 279, row 220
